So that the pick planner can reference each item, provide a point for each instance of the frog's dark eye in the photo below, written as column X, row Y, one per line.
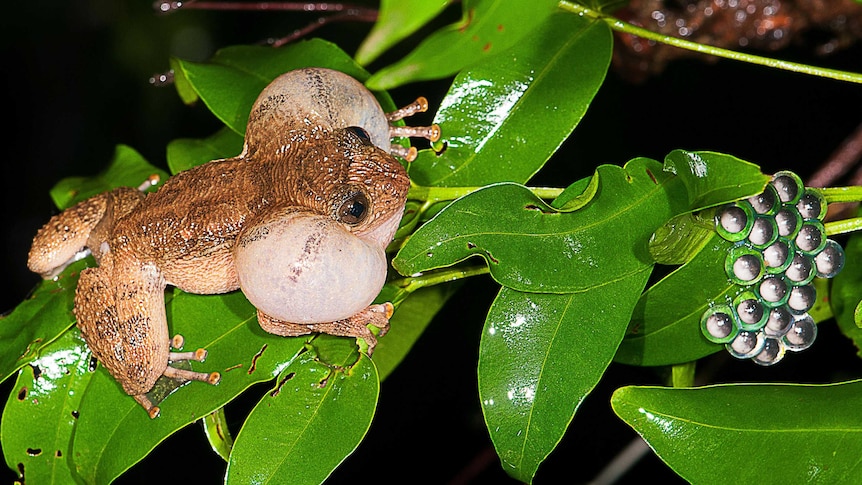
column 360, row 133
column 354, row 209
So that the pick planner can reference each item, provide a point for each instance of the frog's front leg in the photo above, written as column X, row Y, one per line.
column 354, row 326
column 125, row 327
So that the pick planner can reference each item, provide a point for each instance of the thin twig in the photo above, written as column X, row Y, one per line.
column 168, row 6
column 363, row 15
column 848, row 154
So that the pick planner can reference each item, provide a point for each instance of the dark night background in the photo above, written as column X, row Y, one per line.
column 76, row 85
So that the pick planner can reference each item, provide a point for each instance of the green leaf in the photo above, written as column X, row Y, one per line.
column 40, row 414
column 127, row 169
column 770, row 433
column 531, row 247
column 232, row 80
column 491, row 115
column 315, row 416
column 540, row 356
column 38, row 320
column 714, row 178
column 397, row 19
column 665, row 325
column 681, row 238
column 185, row 153
column 486, row 28
column 846, row 291
column 114, row 432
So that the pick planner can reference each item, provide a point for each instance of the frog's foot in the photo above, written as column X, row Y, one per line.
column 355, row 326
column 198, row 355
column 431, row 133
column 152, row 410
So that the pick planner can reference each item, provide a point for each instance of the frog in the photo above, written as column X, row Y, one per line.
column 299, row 221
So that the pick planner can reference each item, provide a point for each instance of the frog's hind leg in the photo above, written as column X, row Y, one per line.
column 121, row 314
column 355, row 326
column 72, row 234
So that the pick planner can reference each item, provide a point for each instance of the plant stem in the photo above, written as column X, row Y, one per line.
column 841, row 194
column 628, row 28
column 843, row 226
column 410, row 284
column 432, row 195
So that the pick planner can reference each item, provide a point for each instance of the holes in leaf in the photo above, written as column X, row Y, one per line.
column 22, row 394
column 286, row 378
column 254, row 359
column 34, row 451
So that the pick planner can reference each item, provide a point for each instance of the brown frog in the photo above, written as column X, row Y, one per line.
column 299, row 221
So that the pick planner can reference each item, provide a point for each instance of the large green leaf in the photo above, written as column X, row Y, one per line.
column 314, row 417
column 38, row 320
column 540, row 356
column 530, row 246
column 41, row 411
column 126, row 169
column 230, row 82
column 665, row 325
column 766, row 433
column 114, row 432
column 491, row 113
column 397, row 19
column 486, row 28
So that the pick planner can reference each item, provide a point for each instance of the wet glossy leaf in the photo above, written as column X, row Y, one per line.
column 38, row 320
column 754, row 433
column 397, row 19
column 114, row 432
column 185, row 153
column 712, row 178
column 313, row 418
column 491, row 113
column 486, row 28
column 39, row 416
column 530, row 246
column 230, row 82
column 540, row 356
column 127, row 169
column 681, row 238
column 665, row 325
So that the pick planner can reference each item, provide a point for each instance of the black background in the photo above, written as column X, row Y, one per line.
column 75, row 80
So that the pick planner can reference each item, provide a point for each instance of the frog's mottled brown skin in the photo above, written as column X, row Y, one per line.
column 301, row 154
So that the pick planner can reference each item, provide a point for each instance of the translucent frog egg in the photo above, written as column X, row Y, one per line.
column 778, row 256
column 717, row 324
column 789, row 186
column 802, row 298
column 765, row 202
column 779, row 322
column 764, row 231
column 774, row 290
column 788, row 221
column 811, row 238
column 830, row 260
column 811, row 205
column 745, row 345
column 802, row 334
column 752, row 314
column 772, row 353
column 801, row 270
column 733, row 222
column 743, row 265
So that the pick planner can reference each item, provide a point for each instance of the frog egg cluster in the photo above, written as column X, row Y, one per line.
column 780, row 247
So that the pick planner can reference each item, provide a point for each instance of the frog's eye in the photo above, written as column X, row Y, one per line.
column 360, row 133
column 353, row 209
